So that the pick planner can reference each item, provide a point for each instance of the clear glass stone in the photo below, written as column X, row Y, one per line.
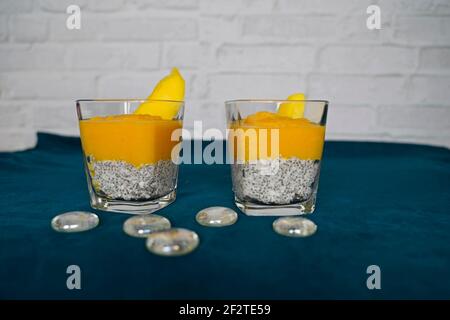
column 216, row 217
column 75, row 221
column 294, row 227
column 172, row 242
column 141, row 226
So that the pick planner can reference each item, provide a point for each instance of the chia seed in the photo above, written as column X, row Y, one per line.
column 278, row 181
column 121, row 180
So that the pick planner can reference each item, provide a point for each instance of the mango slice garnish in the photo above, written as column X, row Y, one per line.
column 294, row 110
column 170, row 88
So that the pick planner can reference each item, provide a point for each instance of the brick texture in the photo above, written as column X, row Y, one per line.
column 391, row 84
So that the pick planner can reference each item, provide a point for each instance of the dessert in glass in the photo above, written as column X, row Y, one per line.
column 275, row 148
column 130, row 149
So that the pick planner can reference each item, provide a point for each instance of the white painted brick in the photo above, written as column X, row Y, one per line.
column 32, row 57
column 138, row 85
column 246, row 85
column 28, row 28
column 435, row 60
column 353, row 29
column 25, row 85
column 56, row 116
column 388, row 89
column 350, row 119
column 213, row 115
column 14, row 114
column 3, row 27
column 149, row 29
column 357, row 89
column 219, row 28
column 143, row 56
column 17, row 139
column 409, row 6
column 185, row 55
column 266, row 57
column 367, row 59
column 288, row 27
column 210, row 113
column 441, row 7
column 230, row 49
column 221, row 7
column 91, row 26
column 422, row 30
column 61, row 5
column 416, row 7
column 426, row 118
column 166, row 4
column 197, row 86
column 15, row 6
column 323, row 6
column 114, row 56
column 430, row 89
column 106, row 5
column 128, row 85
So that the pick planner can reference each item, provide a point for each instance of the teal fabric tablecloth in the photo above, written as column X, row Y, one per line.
column 378, row 204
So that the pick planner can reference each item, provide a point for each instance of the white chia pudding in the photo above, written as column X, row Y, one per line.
column 278, row 181
column 121, row 180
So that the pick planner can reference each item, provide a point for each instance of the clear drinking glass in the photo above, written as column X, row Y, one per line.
column 130, row 159
column 275, row 158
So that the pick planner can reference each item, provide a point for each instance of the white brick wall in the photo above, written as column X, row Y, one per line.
column 391, row 84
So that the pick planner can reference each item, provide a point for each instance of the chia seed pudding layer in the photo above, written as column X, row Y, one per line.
column 277, row 181
column 121, row 180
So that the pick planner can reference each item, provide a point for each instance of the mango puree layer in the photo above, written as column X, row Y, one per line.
column 135, row 138
column 298, row 138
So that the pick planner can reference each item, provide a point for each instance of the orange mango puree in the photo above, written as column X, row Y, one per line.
column 298, row 138
column 135, row 138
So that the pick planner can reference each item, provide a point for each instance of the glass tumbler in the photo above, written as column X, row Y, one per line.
column 275, row 150
column 130, row 159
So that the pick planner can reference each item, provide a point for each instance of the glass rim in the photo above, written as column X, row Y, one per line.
column 128, row 100
column 274, row 100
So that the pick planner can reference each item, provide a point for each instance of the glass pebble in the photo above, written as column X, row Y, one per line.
column 142, row 225
column 75, row 221
column 172, row 242
column 216, row 217
column 294, row 227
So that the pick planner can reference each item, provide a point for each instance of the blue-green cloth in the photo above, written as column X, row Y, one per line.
column 378, row 204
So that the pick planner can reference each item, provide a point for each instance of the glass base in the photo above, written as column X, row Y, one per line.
column 131, row 207
column 258, row 209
